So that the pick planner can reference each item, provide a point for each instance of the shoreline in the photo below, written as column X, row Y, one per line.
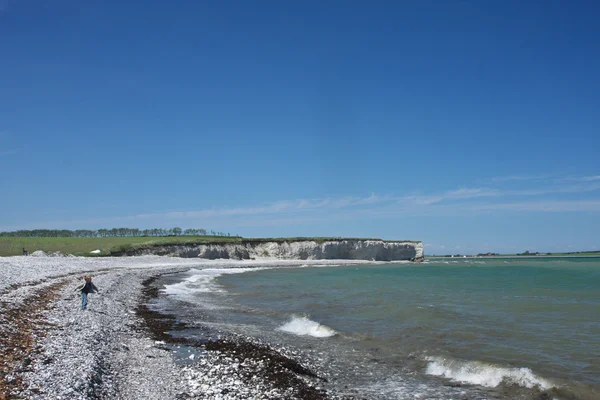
column 232, row 364
column 515, row 257
column 109, row 352
column 122, row 348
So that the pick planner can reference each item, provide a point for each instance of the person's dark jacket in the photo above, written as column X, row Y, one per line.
column 87, row 287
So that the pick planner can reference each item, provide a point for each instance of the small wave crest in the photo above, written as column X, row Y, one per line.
column 303, row 326
column 201, row 281
column 479, row 373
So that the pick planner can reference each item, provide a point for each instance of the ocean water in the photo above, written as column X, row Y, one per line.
column 480, row 328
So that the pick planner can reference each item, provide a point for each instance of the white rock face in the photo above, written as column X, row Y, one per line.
column 351, row 249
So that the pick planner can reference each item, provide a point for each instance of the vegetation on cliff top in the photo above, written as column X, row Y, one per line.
column 82, row 246
column 113, row 232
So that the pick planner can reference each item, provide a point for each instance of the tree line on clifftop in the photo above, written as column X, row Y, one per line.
column 114, row 232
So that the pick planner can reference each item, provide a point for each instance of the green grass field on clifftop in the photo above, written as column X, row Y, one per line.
column 13, row 246
column 10, row 246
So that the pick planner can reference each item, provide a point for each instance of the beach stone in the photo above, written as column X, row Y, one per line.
column 106, row 352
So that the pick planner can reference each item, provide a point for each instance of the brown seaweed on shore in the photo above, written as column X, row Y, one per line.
column 158, row 324
column 22, row 326
column 283, row 372
column 280, row 370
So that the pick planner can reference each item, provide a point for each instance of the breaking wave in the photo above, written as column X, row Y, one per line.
column 488, row 375
column 303, row 326
column 202, row 281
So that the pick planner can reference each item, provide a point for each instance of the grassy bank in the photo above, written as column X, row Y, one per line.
column 83, row 246
column 11, row 246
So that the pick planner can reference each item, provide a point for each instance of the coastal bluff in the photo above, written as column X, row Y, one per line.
column 340, row 249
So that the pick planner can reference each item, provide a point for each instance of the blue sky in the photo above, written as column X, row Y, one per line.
column 473, row 126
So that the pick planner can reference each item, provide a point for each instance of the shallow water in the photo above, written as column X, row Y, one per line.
column 497, row 328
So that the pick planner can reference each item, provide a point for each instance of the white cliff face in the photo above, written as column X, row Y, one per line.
column 352, row 249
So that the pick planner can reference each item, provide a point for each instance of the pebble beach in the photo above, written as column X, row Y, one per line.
column 119, row 349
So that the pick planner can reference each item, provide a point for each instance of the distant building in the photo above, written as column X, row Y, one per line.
column 488, row 254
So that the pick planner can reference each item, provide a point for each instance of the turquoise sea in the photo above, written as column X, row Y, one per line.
column 495, row 328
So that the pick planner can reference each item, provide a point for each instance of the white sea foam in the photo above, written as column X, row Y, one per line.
column 202, row 281
column 324, row 265
column 303, row 326
column 488, row 375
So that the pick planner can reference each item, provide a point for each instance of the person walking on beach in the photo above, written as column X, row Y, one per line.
column 86, row 287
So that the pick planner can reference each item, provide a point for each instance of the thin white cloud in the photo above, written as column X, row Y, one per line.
column 463, row 201
column 541, row 178
column 373, row 199
column 471, row 209
column 513, row 178
column 384, row 204
column 459, row 194
column 591, row 178
column 543, row 206
column 218, row 212
column 279, row 207
column 558, row 189
column 472, row 193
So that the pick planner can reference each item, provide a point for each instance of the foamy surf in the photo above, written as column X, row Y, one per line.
column 303, row 326
column 488, row 375
column 202, row 281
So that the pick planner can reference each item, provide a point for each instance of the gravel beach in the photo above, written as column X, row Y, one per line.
column 118, row 349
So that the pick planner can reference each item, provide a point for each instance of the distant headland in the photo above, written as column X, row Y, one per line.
column 204, row 244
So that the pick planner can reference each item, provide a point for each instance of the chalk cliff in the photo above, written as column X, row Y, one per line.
column 343, row 249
